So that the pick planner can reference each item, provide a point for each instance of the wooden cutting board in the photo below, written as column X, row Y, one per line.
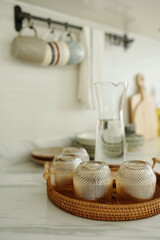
column 143, row 112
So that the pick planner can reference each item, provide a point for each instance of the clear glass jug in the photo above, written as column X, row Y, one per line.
column 110, row 135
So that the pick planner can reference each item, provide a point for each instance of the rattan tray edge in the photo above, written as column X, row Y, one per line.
column 104, row 212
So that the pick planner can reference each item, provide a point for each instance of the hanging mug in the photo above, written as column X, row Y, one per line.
column 77, row 51
column 31, row 49
column 60, row 49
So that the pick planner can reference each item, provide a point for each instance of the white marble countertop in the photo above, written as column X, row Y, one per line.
column 27, row 213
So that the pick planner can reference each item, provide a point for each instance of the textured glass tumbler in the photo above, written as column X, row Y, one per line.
column 81, row 152
column 92, row 181
column 62, row 170
column 135, row 180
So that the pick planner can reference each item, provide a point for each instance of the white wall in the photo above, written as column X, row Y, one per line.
column 38, row 102
column 142, row 57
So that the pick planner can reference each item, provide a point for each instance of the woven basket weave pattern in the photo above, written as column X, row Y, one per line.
column 114, row 211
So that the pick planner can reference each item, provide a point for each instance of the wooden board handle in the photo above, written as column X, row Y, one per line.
column 46, row 170
column 155, row 160
column 141, row 84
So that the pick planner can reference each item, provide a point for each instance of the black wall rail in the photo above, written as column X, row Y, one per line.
column 20, row 16
column 119, row 40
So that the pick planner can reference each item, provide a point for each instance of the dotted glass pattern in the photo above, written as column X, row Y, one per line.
column 135, row 179
column 93, row 180
column 63, row 168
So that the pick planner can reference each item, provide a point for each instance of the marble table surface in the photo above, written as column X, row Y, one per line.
column 27, row 213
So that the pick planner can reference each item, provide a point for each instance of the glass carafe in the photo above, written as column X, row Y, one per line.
column 110, row 135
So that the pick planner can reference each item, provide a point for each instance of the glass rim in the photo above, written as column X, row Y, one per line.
column 72, row 148
column 132, row 164
column 63, row 157
column 94, row 163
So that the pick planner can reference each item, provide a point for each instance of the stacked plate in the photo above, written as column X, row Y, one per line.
column 134, row 142
column 112, row 142
column 43, row 155
column 113, row 149
column 86, row 140
column 130, row 129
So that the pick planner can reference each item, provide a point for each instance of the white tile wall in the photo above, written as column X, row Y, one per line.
column 142, row 57
column 38, row 102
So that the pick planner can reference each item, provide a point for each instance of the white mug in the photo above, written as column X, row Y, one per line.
column 31, row 49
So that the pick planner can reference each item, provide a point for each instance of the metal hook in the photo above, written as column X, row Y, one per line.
column 49, row 26
column 53, row 30
column 30, row 24
column 49, row 22
column 66, row 25
column 69, row 34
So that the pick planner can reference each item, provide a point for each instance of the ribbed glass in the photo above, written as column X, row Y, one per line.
column 135, row 180
column 92, row 181
column 62, row 169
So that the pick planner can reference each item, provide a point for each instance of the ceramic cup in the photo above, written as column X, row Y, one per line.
column 31, row 49
column 62, row 54
column 56, row 53
column 77, row 51
column 49, row 55
column 66, row 53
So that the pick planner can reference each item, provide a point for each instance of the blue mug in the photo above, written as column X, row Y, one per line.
column 77, row 50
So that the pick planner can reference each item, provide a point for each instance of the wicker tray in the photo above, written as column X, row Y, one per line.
column 114, row 211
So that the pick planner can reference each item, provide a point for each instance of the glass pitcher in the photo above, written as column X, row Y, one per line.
column 110, row 135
